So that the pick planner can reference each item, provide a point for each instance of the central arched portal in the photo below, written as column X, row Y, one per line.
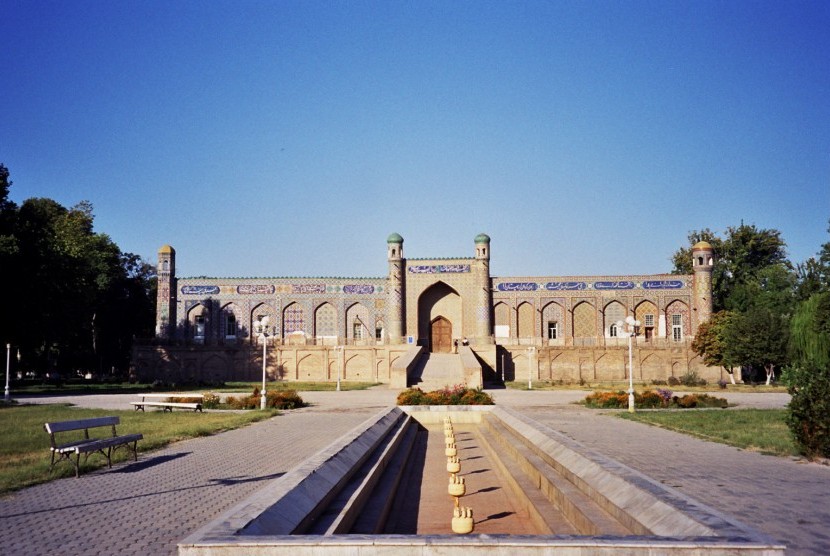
column 440, row 337
column 440, row 318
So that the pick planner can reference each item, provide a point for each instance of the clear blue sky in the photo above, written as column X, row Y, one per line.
column 290, row 138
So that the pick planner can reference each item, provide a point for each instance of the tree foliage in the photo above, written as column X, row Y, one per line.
column 808, row 379
column 740, row 258
column 710, row 343
column 77, row 300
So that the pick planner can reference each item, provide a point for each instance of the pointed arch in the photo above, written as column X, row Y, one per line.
column 293, row 319
column 613, row 312
column 553, row 322
column 198, row 323
column 325, row 322
column 525, row 320
column 230, row 323
column 678, row 321
column 359, row 327
column 646, row 313
column 584, row 322
column 502, row 315
column 259, row 312
column 439, row 300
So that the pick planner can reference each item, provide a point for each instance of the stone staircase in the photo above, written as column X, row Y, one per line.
column 434, row 371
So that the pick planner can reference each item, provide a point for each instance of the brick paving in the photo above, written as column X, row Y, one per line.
column 148, row 506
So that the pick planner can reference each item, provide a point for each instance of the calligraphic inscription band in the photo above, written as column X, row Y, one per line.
column 308, row 288
column 566, row 286
column 439, row 269
column 358, row 288
column 620, row 285
column 518, row 287
column 200, row 290
column 663, row 284
column 255, row 289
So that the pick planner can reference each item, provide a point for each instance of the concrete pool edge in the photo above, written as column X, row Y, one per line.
column 261, row 523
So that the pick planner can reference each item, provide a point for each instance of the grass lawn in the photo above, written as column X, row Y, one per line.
column 24, row 445
column 758, row 430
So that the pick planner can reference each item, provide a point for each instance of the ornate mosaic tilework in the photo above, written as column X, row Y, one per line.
column 526, row 321
column 677, row 308
column 502, row 314
column 325, row 320
column 614, row 311
column 643, row 309
column 584, row 321
column 293, row 319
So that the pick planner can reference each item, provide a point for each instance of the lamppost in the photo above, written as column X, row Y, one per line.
column 632, row 326
column 530, row 368
column 7, row 396
column 262, row 330
column 339, row 351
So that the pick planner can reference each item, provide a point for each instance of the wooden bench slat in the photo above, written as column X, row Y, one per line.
column 80, row 424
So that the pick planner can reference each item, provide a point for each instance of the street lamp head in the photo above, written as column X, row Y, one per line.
column 630, row 321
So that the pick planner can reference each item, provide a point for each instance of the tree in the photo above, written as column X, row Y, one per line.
column 77, row 301
column 709, row 343
column 808, row 379
column 740, row 258
column 758, row 339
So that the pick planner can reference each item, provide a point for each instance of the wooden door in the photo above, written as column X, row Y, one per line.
column 441, row 336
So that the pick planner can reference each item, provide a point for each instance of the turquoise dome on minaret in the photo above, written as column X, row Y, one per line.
column 482, row 238
column 394, row 238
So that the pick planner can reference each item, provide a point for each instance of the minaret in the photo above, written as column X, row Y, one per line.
column 484, row 305
column 166, row 294
column 395, row 294
column 703, row 261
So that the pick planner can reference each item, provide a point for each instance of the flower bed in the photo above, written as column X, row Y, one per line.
column 653, row 399
column 455, row 395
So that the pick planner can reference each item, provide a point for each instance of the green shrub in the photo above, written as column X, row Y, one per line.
column 809, row 409
column 673, row 381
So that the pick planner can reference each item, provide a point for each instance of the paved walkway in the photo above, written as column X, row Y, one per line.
column 148, row 506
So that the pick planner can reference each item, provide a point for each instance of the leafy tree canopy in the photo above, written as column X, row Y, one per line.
column 77, row 299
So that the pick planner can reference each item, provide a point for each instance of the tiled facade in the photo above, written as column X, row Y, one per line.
column 568, row 320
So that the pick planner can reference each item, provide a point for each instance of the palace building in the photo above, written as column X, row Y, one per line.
column 388, row 329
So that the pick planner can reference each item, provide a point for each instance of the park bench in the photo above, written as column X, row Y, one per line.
column 166, row 405
column 87, row 445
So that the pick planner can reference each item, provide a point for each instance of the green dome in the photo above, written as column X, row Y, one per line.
column 482, row 238
column 394, row 238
